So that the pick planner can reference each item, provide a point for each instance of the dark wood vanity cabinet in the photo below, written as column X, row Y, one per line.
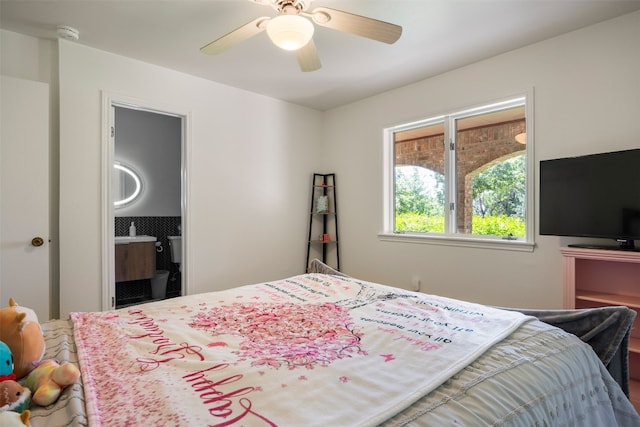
column 135, row 261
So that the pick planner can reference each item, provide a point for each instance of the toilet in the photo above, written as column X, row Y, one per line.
column 175, row 243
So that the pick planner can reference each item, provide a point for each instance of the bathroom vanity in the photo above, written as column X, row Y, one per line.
column 135, row 258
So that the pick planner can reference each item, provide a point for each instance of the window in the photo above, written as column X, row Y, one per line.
column 462, row 178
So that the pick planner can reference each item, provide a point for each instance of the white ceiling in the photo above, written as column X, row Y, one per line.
column 438, row 35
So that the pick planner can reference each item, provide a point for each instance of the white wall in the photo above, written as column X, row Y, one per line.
column 28, row 58
column 150, row 143
column 250, row 163
column 587, row 100
column 252, row 156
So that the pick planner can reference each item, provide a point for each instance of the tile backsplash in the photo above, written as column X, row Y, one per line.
column 159, row 227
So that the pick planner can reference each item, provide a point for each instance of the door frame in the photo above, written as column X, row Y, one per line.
column 109, row 102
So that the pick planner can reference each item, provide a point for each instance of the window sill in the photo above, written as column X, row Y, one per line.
column 469, row 242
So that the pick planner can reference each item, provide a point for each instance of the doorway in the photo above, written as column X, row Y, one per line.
column 145, row 172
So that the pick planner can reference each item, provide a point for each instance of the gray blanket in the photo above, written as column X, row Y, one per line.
column 605, row 329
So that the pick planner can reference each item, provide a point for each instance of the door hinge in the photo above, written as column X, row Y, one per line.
column 113, row 302
column 452, row 145
column 113, row 131
column 452, row 206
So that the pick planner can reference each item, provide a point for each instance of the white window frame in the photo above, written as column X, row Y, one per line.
column 450, row 237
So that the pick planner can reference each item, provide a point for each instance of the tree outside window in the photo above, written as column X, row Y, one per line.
column 463, row 174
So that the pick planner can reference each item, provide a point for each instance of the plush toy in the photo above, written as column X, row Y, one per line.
column 6, row 363
column 48, row 379
column 14, row 419
column 13, row 397
column 20, row 330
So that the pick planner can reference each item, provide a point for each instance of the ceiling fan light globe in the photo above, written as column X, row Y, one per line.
column 290, row 32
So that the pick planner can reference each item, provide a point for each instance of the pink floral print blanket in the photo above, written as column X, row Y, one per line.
column 310, row 350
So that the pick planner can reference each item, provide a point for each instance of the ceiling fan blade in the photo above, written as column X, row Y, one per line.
column 308, row 57
column 236, row 36
column 356, row 24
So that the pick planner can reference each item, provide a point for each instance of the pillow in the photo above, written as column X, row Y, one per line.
column 317, row 266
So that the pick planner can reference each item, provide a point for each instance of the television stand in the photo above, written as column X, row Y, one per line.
column 597, row 278
column 626, row 246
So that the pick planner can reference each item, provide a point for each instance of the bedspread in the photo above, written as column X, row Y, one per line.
column 357, row 352
column 69, row 410
column 538, row 376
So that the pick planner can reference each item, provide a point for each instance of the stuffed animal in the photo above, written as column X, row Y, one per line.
column 14, row 419
column 48, row 379
column 13, row 397
column 20, row 330
column 6, row 363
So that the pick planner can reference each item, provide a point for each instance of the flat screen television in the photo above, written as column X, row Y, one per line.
column 596, row 196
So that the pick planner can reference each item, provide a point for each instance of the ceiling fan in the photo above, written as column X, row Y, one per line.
column 292, row 29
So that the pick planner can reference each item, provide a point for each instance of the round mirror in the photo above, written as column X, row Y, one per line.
column 127, row 185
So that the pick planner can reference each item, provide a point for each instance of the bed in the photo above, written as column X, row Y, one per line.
column 325, row 349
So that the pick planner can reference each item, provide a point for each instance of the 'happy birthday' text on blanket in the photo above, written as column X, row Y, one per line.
column 311, row 350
